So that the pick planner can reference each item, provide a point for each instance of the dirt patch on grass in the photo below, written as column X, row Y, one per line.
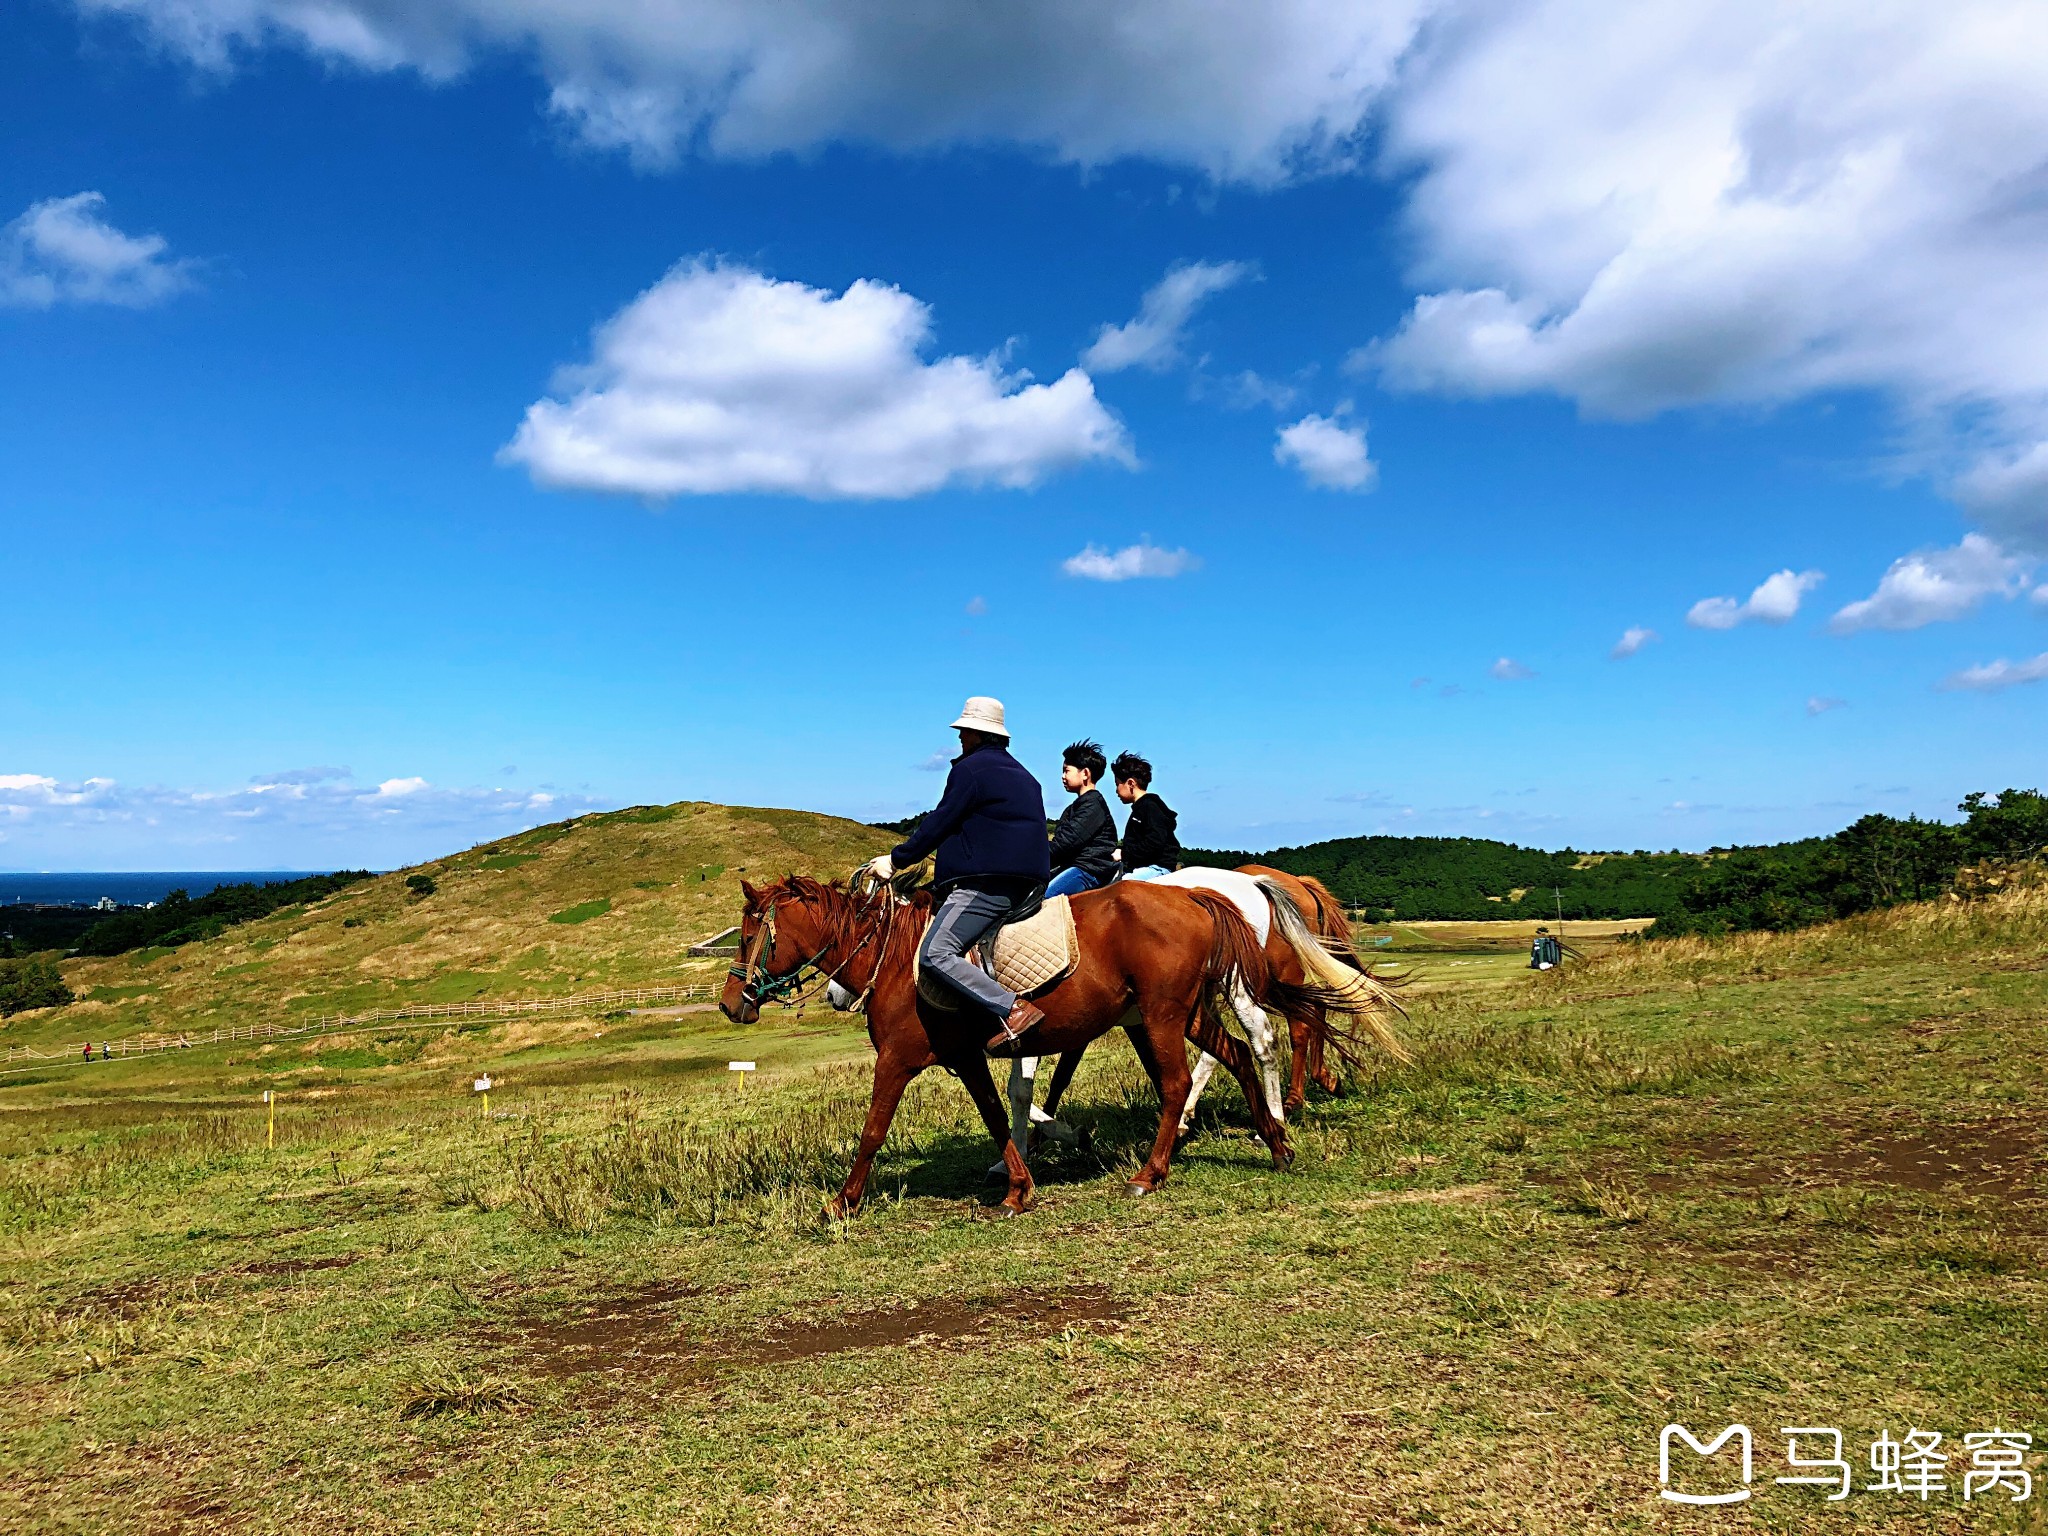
column 1998, row 1159
column 642, row 1332
column 940, row 1320
column 299, row 1266
column 1459, row 1195
column 1996, row 1162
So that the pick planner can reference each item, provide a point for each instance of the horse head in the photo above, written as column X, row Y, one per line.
column 785, row 928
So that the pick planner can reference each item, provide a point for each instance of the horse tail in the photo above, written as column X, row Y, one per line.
column 1234, row 950
column 1330, row 922
column 1358, row 1006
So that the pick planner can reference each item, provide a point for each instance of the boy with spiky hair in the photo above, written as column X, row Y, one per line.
column 1084, row 841
column 1150, row 847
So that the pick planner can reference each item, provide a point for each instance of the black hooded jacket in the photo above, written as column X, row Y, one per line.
column 1148, row 835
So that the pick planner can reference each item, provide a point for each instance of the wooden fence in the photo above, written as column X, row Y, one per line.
column 339, row 1023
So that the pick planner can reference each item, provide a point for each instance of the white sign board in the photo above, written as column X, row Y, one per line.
column 739, row 1066
column 483, row 1084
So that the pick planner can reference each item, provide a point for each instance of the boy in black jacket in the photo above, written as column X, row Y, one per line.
column 1150, row 848
column 1084, row 842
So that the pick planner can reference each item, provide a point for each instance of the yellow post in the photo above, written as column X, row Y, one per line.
column 270, row 1102
column 483, row 1093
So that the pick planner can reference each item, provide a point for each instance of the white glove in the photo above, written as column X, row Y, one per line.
column 882, row 867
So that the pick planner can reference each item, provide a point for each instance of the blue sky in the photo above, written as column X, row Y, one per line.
column 819, row 411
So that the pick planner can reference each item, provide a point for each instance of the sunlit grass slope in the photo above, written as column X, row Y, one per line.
column 588, row 905
column 1797, row 1179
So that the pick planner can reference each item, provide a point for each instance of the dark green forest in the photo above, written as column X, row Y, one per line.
column 1877, row 861
column 181, row 919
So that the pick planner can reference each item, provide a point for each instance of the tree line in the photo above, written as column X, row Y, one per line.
column 1877, row 861
column 181, row 918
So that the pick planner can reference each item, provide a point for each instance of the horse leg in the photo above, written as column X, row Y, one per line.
column 1258, row 1030
column 892, row 1075
column 1204, row 1070
column 1160, row 1046
column 1297, row 1063
column 1228, row 1049
column 1062, row 1078
column 972, row 1068
column 1023, row 1075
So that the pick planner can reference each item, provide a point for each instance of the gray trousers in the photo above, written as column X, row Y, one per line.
column 964, row 915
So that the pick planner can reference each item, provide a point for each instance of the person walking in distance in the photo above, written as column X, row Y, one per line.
column 989, row 833
column 1150, row 847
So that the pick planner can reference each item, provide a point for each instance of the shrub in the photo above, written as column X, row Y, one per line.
column 421, row 886
column 31, row 983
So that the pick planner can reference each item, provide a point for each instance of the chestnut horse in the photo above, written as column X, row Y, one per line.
column 1157, row 953
column 1332, row 1001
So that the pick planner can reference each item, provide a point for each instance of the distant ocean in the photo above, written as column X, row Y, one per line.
column 131, row 888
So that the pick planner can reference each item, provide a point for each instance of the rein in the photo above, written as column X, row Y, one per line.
column 760, row 986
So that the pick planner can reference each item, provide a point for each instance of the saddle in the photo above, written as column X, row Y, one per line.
column 1027, row 952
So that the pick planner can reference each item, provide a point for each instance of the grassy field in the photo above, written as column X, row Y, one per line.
column 1778, row 1180
column 591, row 905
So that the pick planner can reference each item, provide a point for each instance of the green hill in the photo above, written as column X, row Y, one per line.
column 587, row 905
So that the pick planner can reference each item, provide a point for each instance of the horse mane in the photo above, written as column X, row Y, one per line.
column 844, row 910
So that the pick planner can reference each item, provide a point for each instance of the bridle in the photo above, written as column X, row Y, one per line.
column 760, row 986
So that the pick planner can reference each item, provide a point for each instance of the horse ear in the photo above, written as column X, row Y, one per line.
column 747, row 890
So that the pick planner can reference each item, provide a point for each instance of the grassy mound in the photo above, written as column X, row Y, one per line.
column 588, row 905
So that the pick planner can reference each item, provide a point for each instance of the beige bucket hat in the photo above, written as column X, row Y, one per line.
column 979, row 714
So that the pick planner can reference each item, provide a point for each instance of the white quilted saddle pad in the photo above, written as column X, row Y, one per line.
column 1030, row 955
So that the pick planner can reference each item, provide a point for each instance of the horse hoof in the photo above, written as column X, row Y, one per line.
column 1137, row 1191
column 1283, row 1159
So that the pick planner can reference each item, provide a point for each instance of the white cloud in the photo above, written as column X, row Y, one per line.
column 275, row 821
column 1244, row 92
column 1633, row 639
column 1508, row 670
column 1141, row 559
column 1994, row 675
column 1819, row 705
column 1638, row 207
column 718, row 379
column 1154, row 339
column 1647, row 207
column 62, row 252
column 1329, row 454
column 1244, row 390
column 1932, row 585
column 976, row 607
column 1775, row 601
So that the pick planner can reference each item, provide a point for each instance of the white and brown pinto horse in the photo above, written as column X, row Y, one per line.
column 1332, row 1002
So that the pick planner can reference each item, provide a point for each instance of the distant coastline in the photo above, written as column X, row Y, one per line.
column 128, row 888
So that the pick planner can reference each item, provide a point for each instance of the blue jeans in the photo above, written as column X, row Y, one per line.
column 1147, row 872
column 1071, row 881
column 964, row 915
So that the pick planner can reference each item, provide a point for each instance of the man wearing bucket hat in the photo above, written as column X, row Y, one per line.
column 989, row 832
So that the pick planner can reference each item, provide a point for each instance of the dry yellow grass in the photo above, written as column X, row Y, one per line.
column 2010, row 920
column 601, row 902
